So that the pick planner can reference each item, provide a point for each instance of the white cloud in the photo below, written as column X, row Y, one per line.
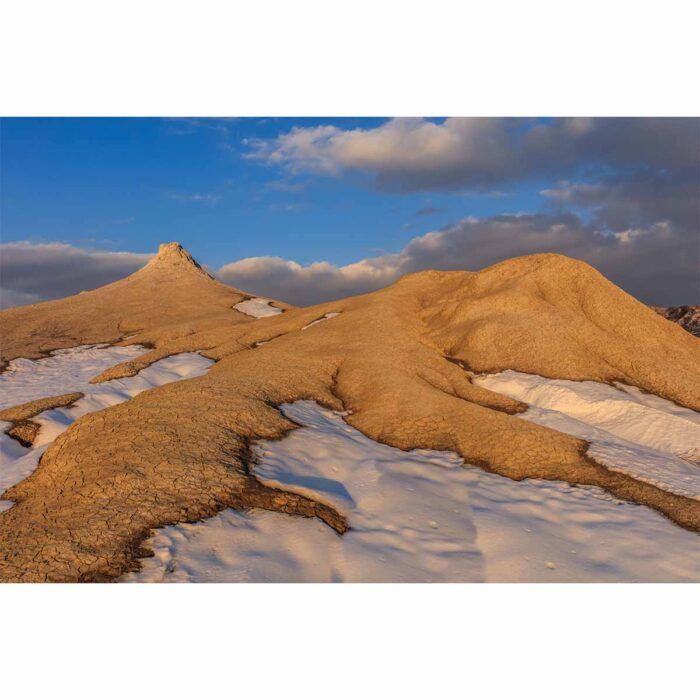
column 287, row 280
column 401, row 154
column 416, row 154
column 657, row 263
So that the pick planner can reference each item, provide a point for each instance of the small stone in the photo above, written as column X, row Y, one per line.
column 550, row 565
column 433, row 524
column 25, row 432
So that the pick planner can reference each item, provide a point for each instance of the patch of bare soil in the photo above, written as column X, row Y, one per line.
column 83, row 513
column 34, row 408
column 24, row 431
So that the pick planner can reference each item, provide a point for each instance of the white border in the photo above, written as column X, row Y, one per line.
column 368, row 57
column 349, row 641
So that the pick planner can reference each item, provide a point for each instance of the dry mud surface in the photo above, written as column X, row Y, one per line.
column 399, row 360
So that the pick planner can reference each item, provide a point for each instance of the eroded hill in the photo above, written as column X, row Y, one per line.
column 397, row 360
column 171, row 290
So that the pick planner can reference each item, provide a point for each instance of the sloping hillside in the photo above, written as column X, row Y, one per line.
column 171, row 289
column 398, row 360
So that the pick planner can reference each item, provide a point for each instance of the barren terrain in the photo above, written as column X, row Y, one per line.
column 399, row 362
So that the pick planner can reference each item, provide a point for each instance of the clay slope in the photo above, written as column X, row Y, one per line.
column 171, row 289
column 394, row 358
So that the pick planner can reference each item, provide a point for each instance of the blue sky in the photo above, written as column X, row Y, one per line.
column 261, row 200
column 130, row 184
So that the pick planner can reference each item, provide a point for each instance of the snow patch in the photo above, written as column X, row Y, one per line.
column 653, row 401
column 258, row 307
column 417, row 516
column 644, row 436
column 62, row 372
column 67, row 374
column 325, row 317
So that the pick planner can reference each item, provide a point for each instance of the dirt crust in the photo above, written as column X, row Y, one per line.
column 34, row 408
column 25, row 432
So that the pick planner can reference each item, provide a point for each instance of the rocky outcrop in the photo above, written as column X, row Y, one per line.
column 25, row 432
column 687, row 317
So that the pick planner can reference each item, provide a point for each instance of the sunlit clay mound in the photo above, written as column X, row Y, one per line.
column 408, row 368
column 172, row 292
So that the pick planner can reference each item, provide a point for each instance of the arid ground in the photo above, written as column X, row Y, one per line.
column 408, row 367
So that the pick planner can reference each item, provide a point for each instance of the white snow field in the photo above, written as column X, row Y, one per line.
column 62, row 372
column 258, row 307
column 644, row 436
column 67, row 371
column 325, row 317
column 417, row 516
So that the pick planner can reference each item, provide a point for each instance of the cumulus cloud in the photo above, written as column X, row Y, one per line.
column 10, row 298
column 32, row 272
column 417, row 154
column 310, row 284
column 663, row 142
column 403, row 154
column 635, row 200
column 657, row 264
column 633, row 185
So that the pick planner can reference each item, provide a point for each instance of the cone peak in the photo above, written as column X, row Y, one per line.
column 174, row 255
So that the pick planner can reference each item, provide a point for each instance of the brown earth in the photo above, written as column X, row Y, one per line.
column 25, row 431
column 180, row 452
column 34, row 408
